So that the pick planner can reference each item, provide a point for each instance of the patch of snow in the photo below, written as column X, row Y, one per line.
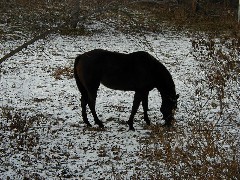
column 66, row 148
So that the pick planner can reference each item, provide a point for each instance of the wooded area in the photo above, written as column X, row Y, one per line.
column 43, row 17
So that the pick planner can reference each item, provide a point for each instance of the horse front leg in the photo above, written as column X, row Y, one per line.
column 145, row 107
column 136, row 103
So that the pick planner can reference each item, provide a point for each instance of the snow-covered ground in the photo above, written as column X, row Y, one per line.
column 56, row 142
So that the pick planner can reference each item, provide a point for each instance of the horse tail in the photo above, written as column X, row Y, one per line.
column 78, row 81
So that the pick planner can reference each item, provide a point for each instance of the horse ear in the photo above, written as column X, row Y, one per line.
column 177, row 96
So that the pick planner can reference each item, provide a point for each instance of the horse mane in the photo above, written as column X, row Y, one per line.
column 166, row 84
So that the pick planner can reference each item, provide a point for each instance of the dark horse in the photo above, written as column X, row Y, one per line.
column 138, row 71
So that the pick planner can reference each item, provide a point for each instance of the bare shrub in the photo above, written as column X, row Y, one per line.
column 220, row 64
column 22, row 136
column 191, row 153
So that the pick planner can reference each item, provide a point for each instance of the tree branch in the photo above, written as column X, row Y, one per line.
column 111, row 6
column 25, row 45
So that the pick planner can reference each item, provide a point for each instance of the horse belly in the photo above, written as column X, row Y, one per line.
column 126, row 77
column 118, row 83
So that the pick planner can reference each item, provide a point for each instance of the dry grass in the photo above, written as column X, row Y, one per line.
column 22, row 136
column 189, row 152
column 60, row 73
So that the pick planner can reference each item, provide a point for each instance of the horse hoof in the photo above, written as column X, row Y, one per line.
column 147, row 121
column 168, row 125
column 89, row 125
column 100, row 124
column 131, row 129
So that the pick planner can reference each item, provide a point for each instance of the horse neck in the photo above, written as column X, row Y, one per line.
column 167, row 91
column 165, row 84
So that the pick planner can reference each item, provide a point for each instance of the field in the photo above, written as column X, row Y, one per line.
column 42, row 135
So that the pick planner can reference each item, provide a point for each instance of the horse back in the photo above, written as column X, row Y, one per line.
column 134, row 71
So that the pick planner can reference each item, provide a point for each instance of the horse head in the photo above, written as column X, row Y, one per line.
column 168, row 109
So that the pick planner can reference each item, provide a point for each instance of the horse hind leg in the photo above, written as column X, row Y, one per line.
column 84, row 103
column 84, row 99
column 145, row 107
column 136, row 102
column 92, row 103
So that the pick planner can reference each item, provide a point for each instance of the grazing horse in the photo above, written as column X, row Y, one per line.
column 138, row 71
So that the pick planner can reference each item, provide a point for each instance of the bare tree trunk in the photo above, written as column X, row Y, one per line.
column 194, row 6
column 239, row 11
column 75, row 12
